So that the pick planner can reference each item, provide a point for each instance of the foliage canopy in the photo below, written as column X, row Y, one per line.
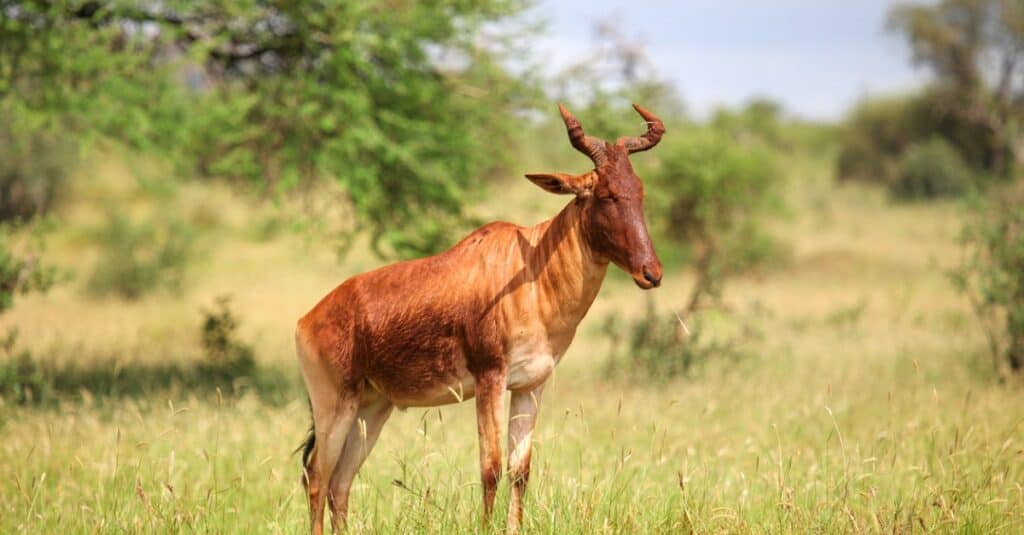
column 406, row 105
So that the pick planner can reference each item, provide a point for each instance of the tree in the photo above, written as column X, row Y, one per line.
column 403, row 102
column 975, row 50
column 713, row 193
column 710, row 185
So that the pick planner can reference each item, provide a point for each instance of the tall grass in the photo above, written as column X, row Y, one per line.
column 868, row 406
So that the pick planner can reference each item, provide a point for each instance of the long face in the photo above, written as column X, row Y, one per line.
column 612, row 197
column 614, row 220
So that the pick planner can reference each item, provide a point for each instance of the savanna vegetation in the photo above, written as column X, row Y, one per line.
column 836, row 347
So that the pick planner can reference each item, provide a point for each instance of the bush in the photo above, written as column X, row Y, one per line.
column 992, row 273
column 931, row 169
column 137, row 258
column 659, row 347
column 34, row 166
column 227, row 367
column 883, row 138
column 20, row 269
column 21, row 379
column 877, row 132
column 760, row 119
column 224, row 353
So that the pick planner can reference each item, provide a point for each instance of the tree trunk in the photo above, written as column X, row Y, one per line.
column 1015, row 353
column 703, row 282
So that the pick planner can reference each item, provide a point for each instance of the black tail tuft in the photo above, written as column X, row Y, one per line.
column 307, row 450
column 307, row 447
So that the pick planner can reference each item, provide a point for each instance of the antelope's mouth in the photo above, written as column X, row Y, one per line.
column 643, row 283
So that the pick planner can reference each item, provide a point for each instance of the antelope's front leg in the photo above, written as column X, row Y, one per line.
column 490, row 390
column 522, row 416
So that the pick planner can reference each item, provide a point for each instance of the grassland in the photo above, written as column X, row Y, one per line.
column 868, row 406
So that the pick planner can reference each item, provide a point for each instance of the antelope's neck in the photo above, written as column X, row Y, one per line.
column 568, row 275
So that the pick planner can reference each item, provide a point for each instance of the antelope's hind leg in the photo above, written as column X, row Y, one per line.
column 331, row 427
column 361, row 438
column 334, row 404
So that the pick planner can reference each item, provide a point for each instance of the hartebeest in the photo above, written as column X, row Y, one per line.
column 495, row 312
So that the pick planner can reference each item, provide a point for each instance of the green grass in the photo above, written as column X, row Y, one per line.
column 869, row 406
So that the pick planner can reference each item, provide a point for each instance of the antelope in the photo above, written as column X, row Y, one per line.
column 495, row 312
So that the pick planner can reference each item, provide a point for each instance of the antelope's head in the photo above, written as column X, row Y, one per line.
column 611, row 198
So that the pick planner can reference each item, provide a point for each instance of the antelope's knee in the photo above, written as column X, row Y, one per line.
column 518, row 478
column 491, row 476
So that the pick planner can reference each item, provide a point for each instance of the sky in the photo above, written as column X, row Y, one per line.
column 817, row 58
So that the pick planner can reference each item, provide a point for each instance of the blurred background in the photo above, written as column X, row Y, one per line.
column 837, row 344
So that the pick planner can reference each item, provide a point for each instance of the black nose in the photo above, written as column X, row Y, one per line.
column 655, row 280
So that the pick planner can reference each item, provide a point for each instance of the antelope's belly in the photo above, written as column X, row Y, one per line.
column 430, row 391
column 447, row 380
column 422, row 378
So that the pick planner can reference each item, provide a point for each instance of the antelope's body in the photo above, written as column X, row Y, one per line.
column 496, row 312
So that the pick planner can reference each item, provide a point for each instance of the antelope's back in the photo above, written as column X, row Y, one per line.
column 410, row 325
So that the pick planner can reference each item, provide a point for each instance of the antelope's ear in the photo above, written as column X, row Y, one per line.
column 562, row 184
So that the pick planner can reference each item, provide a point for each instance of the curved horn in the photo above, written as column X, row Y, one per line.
column 591, row 146
column 655, row 129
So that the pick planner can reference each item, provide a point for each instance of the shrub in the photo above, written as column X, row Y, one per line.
column 34, row 167
column 992, row 273
column 660, row 347
column 137, row 258
column 20, row 269
column 21, row 379
column 929, row 170
column 877, row 132
column 713, row 192
column 224, row 353
column 760, row 119
column 227, row 367
column 880, row 135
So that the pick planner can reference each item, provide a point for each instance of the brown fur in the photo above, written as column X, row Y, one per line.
column 495, row 312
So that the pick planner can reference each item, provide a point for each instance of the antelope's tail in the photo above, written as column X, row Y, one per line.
column 306, row 446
